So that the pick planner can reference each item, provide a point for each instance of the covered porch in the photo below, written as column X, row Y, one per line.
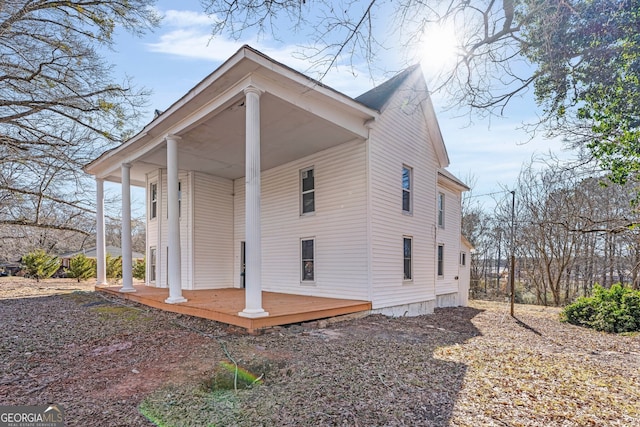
column 250, row 116
column 223, row 305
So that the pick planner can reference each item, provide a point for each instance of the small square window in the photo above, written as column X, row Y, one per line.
column 308, row 192
column 308, row 260
column 408, row 254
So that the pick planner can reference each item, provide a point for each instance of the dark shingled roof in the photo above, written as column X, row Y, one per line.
column 377, row 97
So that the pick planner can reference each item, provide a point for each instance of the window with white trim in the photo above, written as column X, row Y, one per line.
column 152, row 264
column 440, row 260
column 407, row 243
column 441, row 210
column 407, row 186
column 307, row 247
column 179, row 201
column 463, row 258
column 307, row 191
column 153, row 200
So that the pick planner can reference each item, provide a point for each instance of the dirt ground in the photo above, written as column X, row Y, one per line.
column 106, row 362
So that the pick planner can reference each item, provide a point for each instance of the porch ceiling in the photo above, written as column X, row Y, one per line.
column 217, row 145
column 298, row 117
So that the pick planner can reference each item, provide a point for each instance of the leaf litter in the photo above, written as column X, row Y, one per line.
column 109, row 363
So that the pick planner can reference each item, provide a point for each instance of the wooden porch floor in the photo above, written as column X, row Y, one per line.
column 223, row 305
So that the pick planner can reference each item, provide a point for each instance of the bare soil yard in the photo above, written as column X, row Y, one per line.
column 107, row 362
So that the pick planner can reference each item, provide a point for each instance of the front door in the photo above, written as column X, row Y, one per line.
column 243, row 265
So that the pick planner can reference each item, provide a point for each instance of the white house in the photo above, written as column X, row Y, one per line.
column 261, row 177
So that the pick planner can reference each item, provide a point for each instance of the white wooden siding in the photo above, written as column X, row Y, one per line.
column 449, row 236
column 338, row 225
column 213, row 232
column 158, row 229
column 154, row 228
column 400, row 137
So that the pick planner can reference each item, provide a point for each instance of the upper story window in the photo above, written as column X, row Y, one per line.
column 153, row 200
column 441, row 210
column 463, row 259
column 179, row 201
column 308, row 191
column 407, row 187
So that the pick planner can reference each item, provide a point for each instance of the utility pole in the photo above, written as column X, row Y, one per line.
column 512, row 267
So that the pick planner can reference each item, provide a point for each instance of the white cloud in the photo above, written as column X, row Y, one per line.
column 186, row 18
column 187, row 35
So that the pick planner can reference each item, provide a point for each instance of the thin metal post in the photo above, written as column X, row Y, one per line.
column 512, row 267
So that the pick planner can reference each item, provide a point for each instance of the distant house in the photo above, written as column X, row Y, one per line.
column 261, row 177
column 112, row 251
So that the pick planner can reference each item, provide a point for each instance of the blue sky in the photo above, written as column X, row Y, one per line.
column 181, row 52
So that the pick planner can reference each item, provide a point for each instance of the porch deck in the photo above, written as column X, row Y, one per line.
column 223, row 305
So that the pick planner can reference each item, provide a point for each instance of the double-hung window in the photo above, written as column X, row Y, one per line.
column 308, row 191
column 153, row 200
column 440, row 260
column 441, row 210
column 308, row 260
column 408, row 255
column 407, row 187
column 152, row 264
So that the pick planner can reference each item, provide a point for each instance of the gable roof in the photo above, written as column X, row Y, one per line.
column 446, row 178
column 377, row 97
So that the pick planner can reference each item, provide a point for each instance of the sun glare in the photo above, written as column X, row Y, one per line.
column 439, row 48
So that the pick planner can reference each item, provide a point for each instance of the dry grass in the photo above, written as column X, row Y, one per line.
column 472, row 366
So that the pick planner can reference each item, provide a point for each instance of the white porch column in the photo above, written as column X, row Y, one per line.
column 127, row 273
column 253, row 272
column 100, row 245
column 173, row 263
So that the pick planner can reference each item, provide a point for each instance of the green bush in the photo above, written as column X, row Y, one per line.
column 114, row 267
column 610, row 310
column 40, row 265
column 81, row 267
column 139, row 269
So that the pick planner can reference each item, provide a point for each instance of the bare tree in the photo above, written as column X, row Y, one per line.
column 579, row 58
column 59, row 107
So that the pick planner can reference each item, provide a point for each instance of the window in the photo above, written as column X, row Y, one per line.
column 152, row 264
column 440, row 260
column 441, row 210
column 407, row 177
column 153, row 198
column 408, row 273
column 179, row 201
column 463, row 258
column 308, row 264
column 307, row 186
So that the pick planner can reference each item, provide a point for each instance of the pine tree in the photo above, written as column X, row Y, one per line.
column 140, row 269
column 114, row 267
column 81, row 267
column 40, row 265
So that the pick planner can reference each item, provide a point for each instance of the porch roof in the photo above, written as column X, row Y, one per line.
column 298, row 116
